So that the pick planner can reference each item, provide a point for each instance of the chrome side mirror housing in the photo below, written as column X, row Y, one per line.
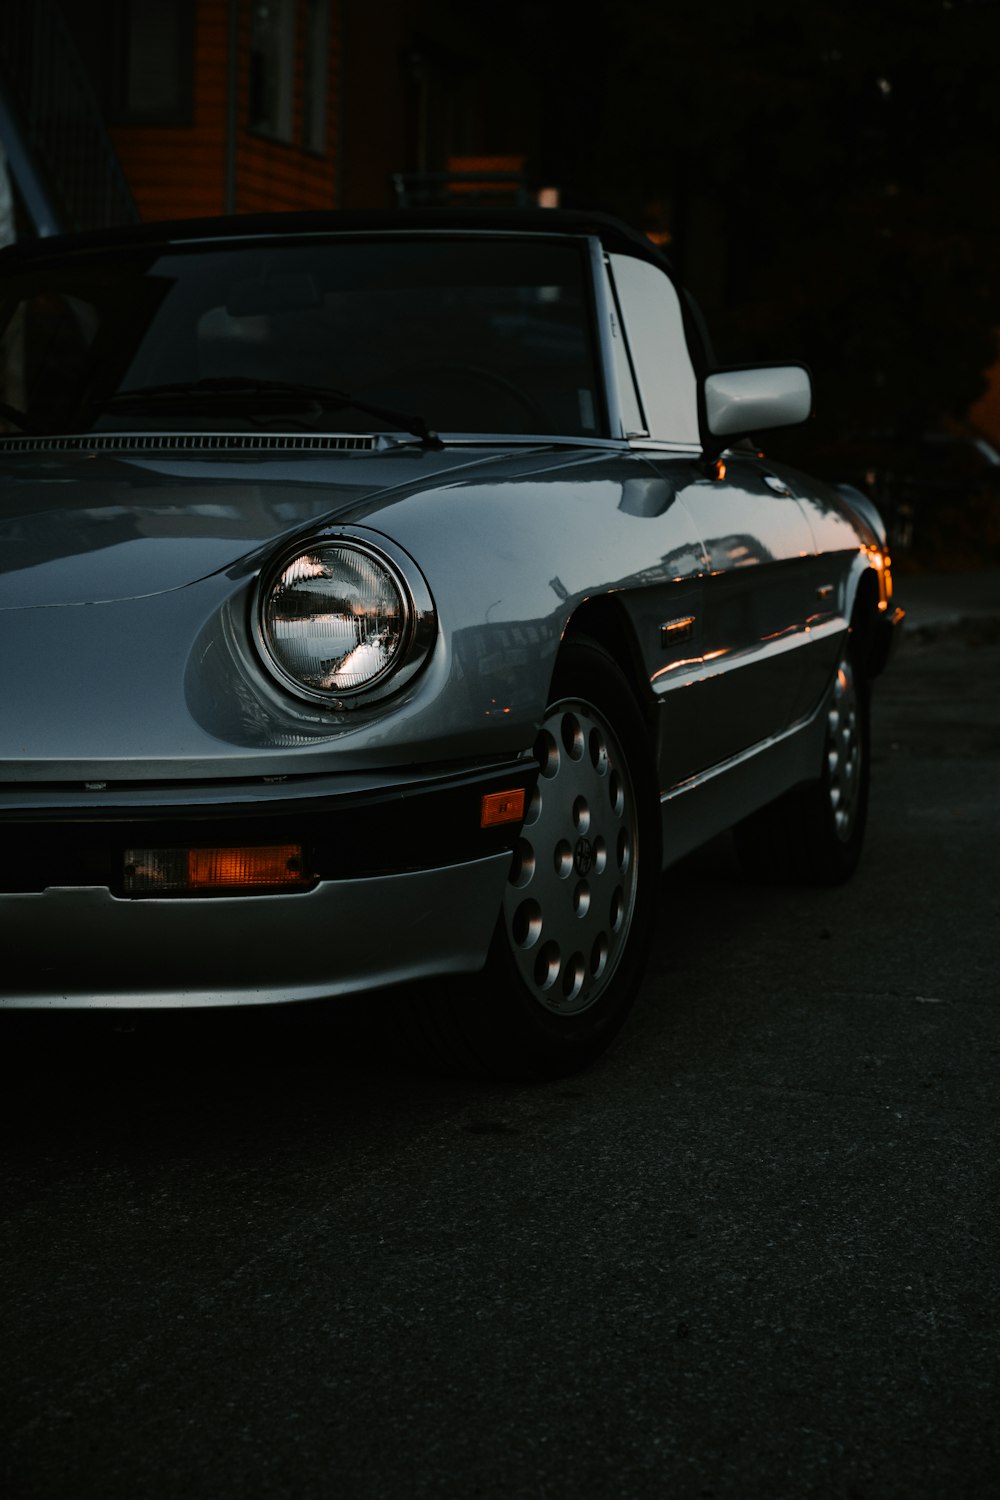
column 740, row 401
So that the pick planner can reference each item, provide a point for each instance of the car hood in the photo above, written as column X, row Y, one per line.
column 84, row 528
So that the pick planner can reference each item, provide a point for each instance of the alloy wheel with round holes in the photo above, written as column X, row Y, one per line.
column 572, row 889
column 815, row 832
column 577, row 916
column 829, row 816
column 576, row 919
column 845, row 751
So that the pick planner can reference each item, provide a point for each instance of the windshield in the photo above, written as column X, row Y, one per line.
column 466, row 335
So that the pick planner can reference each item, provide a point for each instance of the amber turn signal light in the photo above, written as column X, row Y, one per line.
column 263, row 866
column 502, row 807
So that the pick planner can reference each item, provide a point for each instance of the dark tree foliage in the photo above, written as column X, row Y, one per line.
column 827, row 176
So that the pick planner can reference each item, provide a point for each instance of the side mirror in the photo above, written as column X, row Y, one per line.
column 741, row 401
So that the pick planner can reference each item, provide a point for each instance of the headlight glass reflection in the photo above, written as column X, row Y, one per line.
column 335, row 619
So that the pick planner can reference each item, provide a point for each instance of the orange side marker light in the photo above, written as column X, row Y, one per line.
column 501, row 807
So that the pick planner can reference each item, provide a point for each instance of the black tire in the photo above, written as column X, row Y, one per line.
column 574, row 930
column 816, row 832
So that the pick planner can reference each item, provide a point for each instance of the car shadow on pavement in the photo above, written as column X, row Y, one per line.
column 109, row 1076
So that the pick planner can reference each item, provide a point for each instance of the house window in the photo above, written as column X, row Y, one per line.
column 272, row 68
column 317, row 58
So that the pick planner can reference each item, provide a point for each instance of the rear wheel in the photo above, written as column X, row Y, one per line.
column 576, row 920
column 816, row 832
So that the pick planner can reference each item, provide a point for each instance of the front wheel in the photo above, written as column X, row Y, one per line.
column 577, row 915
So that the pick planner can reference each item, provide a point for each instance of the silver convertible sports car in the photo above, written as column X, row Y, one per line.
column 389, row 598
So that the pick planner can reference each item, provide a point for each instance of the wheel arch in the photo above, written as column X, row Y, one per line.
column 606, row 622
column 864, row 622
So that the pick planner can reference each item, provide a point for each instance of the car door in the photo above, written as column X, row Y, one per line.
column 758, row 601
column 738, row 657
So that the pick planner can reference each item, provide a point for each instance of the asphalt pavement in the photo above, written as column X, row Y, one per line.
column 941, row 601
column 751, row 1253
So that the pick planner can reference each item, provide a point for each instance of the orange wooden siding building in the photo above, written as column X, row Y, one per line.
column 228, row 107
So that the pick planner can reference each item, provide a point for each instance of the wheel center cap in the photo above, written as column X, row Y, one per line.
column 583, row 856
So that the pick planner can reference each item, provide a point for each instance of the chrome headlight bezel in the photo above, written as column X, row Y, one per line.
column 417, row 636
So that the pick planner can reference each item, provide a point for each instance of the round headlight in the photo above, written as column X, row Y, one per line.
column 338, row 619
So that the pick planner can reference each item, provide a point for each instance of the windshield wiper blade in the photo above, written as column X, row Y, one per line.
column 245, row 391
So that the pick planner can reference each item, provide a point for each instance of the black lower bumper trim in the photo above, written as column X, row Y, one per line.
column 343, row 837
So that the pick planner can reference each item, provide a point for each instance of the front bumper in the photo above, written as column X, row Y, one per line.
column 407, row 885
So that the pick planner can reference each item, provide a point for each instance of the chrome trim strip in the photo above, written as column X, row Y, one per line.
column 644, row 432
column 704, row 806
column 744, row 757
column 659, row 445
column 704, row 668
column 604, row 313
column 517, row 440
column 404, row 232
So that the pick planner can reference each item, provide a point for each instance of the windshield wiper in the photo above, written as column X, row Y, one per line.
column 242, row 391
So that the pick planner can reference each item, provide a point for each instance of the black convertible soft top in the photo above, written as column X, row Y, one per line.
column 614, row 235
